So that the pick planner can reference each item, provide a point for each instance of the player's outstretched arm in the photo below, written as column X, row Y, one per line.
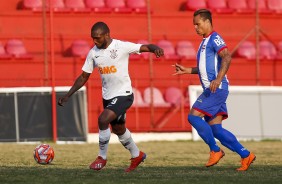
column 152, row 48
column 179, row 69
column 79, row 82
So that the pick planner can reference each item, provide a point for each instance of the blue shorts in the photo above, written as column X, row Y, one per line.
column 212, row 104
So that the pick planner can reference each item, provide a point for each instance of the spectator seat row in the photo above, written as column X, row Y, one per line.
column 104, row 6
column 239, row 6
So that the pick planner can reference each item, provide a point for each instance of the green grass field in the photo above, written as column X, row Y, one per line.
column 167, row 162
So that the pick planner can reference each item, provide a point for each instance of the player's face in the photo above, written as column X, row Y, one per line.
column 100, row 39
column 202, row 27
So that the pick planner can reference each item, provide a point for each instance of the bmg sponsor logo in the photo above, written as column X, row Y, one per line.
column 107, row 69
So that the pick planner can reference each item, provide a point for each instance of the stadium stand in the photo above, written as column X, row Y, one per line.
column 118, row 6
column 275, row 5
column 17, row 49
column 34, row 5
column 169, row 50
column 240, row 6
column 247, row 50
column 185, row 50
column 97, row 6
column 219, row 6
column 3, row 53
column 80, row 48
column 279, row 53
column 76, row 6
column 57, row 5
column 173, row 96
column 262, row 6
column 138, row 100
column 139, row 6
column 158, row 98
column 267, row 50
column 194, row 5
column 167, row 22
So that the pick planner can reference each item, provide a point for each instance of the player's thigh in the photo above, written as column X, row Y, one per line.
column 195, row 112
column 119, row 104
column 107, row 116
column 216, row 120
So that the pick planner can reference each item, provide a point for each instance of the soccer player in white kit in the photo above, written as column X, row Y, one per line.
column 110, row 56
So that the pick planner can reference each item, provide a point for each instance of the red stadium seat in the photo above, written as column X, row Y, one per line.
column 173, row 96
column 157, row 97
column 279, row 54
column 80, row 48
column 185, row 50
column 17, row 49
column 76, row 5
column 195, row 5
column 267, row 50
column 118, row 6
column 275, row 5
column 138, row 100
column 34, row 5
column 97, row 6
column 57, row 5
column 247, row 50
column 240, row 6
column 139, row 6
column 3, row 54
column 219, row 6
column 169, row 50
column 262, row 7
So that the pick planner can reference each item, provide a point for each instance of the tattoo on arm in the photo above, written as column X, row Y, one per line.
column 225, row 63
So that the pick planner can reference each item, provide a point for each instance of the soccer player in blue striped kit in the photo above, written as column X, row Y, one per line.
column 213, row 61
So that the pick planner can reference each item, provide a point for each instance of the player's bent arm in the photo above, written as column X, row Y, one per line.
column 79, row 82
column 152, row 48
column 225, row 63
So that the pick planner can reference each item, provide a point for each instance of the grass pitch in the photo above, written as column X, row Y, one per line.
column 167, row 162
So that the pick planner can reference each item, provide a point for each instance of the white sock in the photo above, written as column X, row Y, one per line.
column 127, row 141
column 104, row 137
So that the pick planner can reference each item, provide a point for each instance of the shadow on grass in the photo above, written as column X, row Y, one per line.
column 144, row 174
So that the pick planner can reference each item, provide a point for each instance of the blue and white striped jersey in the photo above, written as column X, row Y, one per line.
column 209, row 62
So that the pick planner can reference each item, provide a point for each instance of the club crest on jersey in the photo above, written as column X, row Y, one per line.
column 203, row 48
column 113, row 54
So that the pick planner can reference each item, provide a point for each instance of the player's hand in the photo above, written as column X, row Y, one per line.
column 179, row 69
column 62, row 100
column 159, row 52
column 214, row 85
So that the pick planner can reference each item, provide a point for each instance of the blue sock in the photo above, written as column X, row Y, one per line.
column 204, row 130
column 229, row 140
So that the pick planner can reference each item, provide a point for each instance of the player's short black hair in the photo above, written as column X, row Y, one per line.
column 204, row 13
column 100, row 25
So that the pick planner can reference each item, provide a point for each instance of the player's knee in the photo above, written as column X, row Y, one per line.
column 192, row 118
column 103, row 123
column 118, row 129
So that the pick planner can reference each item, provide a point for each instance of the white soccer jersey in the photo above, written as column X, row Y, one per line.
column 112, row 64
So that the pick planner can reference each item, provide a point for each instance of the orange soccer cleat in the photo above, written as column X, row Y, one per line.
column 98, row 164
column 214, row 158
column 246, row 162
column 136, row 161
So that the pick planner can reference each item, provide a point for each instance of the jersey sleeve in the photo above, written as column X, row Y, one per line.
column 218, row 43
column 132, row 48
column 88, row 66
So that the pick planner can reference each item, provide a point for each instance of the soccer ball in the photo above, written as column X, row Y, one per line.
column 43, row 154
